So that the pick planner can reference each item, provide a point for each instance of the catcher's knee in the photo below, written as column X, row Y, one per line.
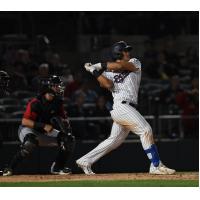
column 29, row 144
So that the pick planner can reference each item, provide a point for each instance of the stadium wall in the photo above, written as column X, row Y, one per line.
column 183, row 155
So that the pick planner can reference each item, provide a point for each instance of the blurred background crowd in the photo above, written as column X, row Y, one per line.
column 34, row 45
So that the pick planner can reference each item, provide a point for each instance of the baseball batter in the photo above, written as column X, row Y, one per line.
column 122, row 77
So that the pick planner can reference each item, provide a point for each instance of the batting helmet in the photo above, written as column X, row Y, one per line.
column 118, row 48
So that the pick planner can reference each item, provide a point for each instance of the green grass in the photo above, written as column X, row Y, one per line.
column 107, row 183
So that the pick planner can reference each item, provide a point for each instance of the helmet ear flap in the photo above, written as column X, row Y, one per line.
column 120, row 55
column 118, row 48
column 116, row 53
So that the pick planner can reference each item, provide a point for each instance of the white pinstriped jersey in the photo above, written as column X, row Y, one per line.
column 126, row 84
column 125, row 117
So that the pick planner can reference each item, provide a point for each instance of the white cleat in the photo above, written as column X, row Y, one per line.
column 85, row 167
column 161, row 169
column 7, row 172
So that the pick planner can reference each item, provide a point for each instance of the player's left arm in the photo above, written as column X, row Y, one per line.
column 121, row 66
column 132, row 65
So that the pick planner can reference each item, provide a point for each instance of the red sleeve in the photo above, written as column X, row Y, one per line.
column 62, row 113
column 181, row 99
column 29, row 113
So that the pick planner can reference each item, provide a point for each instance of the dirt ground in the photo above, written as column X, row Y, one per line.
column 121, row 176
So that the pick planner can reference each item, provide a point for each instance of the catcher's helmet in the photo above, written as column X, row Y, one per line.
column 47, row 85
column 4, row 81
column 118, row 48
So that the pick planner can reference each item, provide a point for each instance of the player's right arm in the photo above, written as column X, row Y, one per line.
column 32, row 124
column 98, row 74
column 27, row 122
column 30, row 115
column 105, row 82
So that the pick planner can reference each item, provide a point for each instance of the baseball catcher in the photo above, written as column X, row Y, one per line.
column 45, row 124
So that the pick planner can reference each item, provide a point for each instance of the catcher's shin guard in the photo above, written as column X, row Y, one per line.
column 66, row 148
column 27, row 148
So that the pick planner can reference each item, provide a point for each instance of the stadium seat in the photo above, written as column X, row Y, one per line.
column 21, row 94
column 10, row 108
column 25, row 101
column 17, row 114
column 3, row 115
column 9, row 101
column 89, row 105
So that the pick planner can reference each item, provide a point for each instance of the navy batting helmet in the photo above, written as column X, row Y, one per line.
column 118, row 48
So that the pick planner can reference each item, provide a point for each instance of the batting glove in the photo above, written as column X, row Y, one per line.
column 98, row 66
column 89, row 67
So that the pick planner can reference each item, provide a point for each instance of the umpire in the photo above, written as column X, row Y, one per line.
column 45, row 124
column 4, row 82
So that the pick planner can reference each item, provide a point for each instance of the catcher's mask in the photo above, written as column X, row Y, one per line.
column 52, row 85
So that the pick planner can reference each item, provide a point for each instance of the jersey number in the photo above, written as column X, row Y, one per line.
column 120, row 77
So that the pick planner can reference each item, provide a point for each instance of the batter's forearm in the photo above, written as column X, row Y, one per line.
column 118, row 66
column 105, row 82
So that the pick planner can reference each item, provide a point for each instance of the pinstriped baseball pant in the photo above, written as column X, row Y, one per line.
column 126, row 119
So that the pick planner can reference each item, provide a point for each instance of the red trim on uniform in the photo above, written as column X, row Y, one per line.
column 28, row 114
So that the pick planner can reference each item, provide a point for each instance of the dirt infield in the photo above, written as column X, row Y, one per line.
column 121, row 176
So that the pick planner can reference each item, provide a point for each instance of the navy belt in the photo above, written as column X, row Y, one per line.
column 131, row 104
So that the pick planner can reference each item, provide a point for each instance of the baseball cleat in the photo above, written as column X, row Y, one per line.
column 55, row 171
column 66, row 171
column 7, row 172
column 161, row 169
column 85, row 167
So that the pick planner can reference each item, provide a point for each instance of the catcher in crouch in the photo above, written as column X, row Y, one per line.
column 45, row 124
